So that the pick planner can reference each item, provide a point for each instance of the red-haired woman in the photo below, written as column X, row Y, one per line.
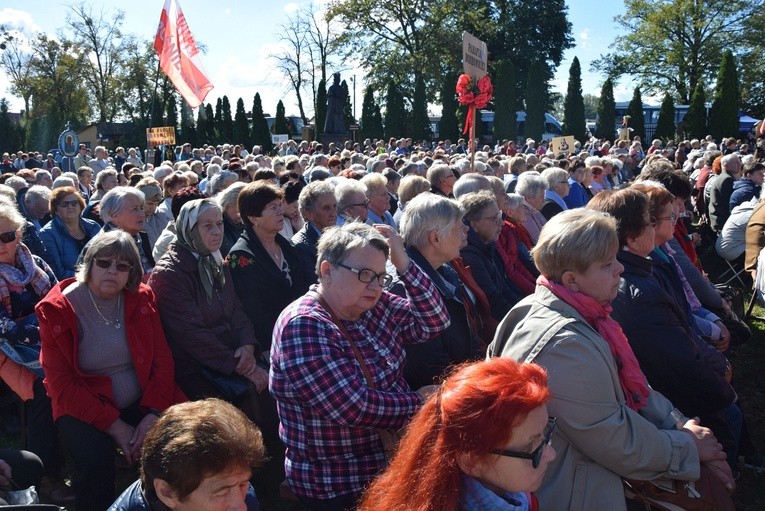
column 481, row 442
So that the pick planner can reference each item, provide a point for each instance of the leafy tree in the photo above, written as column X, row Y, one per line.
column 241, row 128
column 368, row 115
column 536, row 89
column 260, row 134
column 590, row 106
column 16, row 60
column 201, row 128
column 753, row 73
column 505, row 102
column 9, row 131
column 188, row 131
column 606, row 111
column 420, row 121
column 665, row 126
column 377, row 122
column 227, row 124
column 218, row 122
column 673, row 45
column 635, row 111
column 172, row 113
column 321, row 107
column 348, row 118
column 723, row 116
column 210, row 132
column 395, row 112
column 695, row 120
column 280, row 126
column 449, row 126
column 573, row 106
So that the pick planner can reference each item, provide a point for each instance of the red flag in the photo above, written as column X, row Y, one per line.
column 179, row 57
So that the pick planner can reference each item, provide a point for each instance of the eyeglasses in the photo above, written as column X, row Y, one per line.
column 108, row 263
column 493, row 218
column 366, row 275
column 536, row 455
column 67, row 203
column 361, row 204
column 8, row 237
column 672, row 218
column 651, row 223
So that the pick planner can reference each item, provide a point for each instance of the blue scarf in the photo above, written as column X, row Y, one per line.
column 476, row 497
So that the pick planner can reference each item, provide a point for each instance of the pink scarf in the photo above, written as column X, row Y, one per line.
column 631, row 379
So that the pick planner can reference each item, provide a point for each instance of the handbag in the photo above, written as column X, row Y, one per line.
column 389, row 438
column 706, row 494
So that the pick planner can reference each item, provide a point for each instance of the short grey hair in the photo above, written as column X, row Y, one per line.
column 311, row 193
column 553, row 176
column 62, row 181
column 411, row 186
column 530, row 184
column 724, row 162
column 345, row 190
column 437, row 172
column 162, row 172
column 114, row 244
column 426, row 213
column 37, row 193
column 470, row 183
column 101, row 177
column 514, row 200
column 9, row 212
column 474, row 203
column 219, row 180
column 114, row 200
column 336, row 242
column 230, row 195
column 374, row 183
column 212, row 169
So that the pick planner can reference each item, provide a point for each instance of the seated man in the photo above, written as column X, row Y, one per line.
column 198, row 453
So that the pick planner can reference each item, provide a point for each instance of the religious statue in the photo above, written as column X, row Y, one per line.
column 334, row 122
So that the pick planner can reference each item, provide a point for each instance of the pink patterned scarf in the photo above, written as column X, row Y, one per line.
column 631, row 379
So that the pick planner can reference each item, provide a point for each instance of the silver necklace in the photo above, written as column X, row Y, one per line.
column 116, row 322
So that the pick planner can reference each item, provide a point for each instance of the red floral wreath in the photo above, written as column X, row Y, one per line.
column 473, row 95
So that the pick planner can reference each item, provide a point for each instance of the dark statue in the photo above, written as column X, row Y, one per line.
column 334, row 122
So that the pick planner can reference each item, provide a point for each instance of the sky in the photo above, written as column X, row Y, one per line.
column 240, row 35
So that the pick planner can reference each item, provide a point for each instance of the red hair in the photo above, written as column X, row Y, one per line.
column 474, row 412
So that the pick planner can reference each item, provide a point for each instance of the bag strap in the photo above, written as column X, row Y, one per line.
column 356, row 352
column 33, row 365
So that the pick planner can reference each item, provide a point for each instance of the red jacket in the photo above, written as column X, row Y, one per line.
column 88, row 397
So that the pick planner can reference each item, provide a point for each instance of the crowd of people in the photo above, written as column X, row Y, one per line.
column 539, row 326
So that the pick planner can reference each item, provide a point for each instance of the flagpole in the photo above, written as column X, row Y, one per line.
column 151, row 113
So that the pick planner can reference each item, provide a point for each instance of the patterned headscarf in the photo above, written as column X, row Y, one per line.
column 210, row 264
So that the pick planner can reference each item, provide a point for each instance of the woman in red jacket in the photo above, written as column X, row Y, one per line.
column 107, row 366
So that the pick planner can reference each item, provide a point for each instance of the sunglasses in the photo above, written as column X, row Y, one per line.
column 67, row 203
column 536, row 455
column 8, row 237
column 105, row 264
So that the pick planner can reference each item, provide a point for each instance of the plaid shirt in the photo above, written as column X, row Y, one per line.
column 328, row 416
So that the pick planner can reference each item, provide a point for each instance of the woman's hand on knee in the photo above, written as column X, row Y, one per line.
column 122, row 433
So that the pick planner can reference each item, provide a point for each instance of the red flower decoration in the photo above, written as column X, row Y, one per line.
column 472, row 94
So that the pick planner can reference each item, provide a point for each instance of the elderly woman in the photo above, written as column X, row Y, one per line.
column 206, row 327
column 532, row 188
column 122, row 209
column 485, row 224
column 482, row 442
column 557, row 189
column 433, row 232
column 105, row 181
column 108, row 370
column 410, row 187
column 170, row 186
column 293, row 222
column 67, row 233
column 24, row 280
column 199, row 455
column 233, row 227
column 378, row 200
column 653, row 311
column 514, row 244
column 267, row 271
column 334, row 400
column 318, row 207
column 154, row 223
column 611, row 424
column 220, row 181
column 352, row 201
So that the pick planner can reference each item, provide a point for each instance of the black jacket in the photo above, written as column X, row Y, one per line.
column 306, row 242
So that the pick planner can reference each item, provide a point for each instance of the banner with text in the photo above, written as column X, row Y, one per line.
column 160, row 136
column 474, row 56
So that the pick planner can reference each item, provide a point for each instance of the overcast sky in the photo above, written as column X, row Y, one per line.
column 240, row 35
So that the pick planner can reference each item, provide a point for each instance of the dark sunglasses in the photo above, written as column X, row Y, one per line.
column 8, row 237
column 536, row 455
column 67, row 203
column 107, row 263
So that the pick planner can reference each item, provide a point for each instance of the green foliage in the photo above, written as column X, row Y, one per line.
column 505, row 101
column 449, row 126
column 672, row 45
column 369, row 109
column 395, row 112
column 241, row 128
column 348, row 118
column 695, row 121
column 665, row 126
column 227, row 122
column 210, row 124
column 320, row 107
column 280, row 126
column 10, row 132
column 635, row 111
column 377, row 122
column 753, row 72
column 260, row 134
column 420, row 121
column 573, row 106
column 172, row 113
column 606, row 112
column 723, row 116
column 188, row 131
column 218, row 123
column 536, row 99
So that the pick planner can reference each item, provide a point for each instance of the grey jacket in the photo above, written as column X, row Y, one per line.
column 599, row 438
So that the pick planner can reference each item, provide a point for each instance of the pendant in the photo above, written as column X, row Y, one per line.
column 117, row 324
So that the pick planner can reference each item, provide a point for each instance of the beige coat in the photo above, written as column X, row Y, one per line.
column 599, row 438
